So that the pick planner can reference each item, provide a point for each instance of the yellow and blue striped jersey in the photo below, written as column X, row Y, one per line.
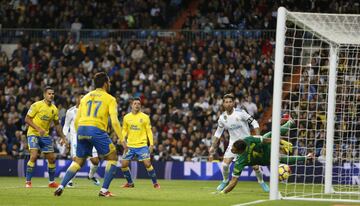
column 42, row 115
column 95, row 109
column 137, row 128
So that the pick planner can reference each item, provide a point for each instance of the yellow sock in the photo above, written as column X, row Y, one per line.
column 30, row 164
column 74, row 167
column 51, row 165
column 150, row 168
column 109, row 163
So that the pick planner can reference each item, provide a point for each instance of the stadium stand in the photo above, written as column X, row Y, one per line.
column 180, row 79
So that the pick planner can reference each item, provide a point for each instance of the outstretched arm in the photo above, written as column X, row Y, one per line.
column 59, row 131
column 214, row 145
column 150, row 135
column 267, row 141
column 66, row 126
column 219, row 130
column 293, row 159
column 231, row 185
column 124, row 132
column 263, row 139
column 114, row 119
column 239, row 165
column 285, row 146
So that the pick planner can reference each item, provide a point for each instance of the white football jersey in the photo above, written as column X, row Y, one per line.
column 70, row 132
column 237, row 123
column 69, row 126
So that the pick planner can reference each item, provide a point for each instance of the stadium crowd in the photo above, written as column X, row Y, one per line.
column 260, row 14
column 155, row 14
column 181, row 84
column 94, row 14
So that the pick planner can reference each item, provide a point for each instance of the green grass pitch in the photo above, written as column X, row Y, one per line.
column 172, row 193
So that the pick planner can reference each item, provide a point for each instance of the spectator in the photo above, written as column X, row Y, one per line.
column 19, row 68
column 3, row 150
column 138, row 53
column 87, row 64
column 254, row 15
column 106, row 64
column 94, row 14
column 179, row 82
column 250, row 106
column 75, row 28
column 15, row 150
column 33, row 66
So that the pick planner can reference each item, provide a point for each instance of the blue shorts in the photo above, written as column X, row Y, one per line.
column 89, row 137
column 142, row 153
column 44, row 144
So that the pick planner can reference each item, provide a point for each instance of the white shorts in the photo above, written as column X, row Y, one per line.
column 94, row 152
column 229, row 154
column 73, row 150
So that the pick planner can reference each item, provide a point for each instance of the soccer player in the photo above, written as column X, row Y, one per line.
column 138, row 135
column 39, row 118
column 237, row 123
column 256, row 150
column 91, row 123
column 70, row 133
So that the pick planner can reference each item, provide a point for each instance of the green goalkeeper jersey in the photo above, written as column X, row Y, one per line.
column 256, row 153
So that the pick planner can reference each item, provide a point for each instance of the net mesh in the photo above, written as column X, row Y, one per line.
column 337, row 28
column 305, row 97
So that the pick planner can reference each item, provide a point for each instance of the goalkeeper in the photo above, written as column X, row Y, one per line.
column 255, row 150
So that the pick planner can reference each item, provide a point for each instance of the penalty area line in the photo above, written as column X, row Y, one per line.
column 251, row 203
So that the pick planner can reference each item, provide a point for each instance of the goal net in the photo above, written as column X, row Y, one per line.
column 317, row 82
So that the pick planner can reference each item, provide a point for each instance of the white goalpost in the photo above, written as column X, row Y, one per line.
column 317, row 82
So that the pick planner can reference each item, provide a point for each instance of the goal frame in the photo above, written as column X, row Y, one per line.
column 276, row 109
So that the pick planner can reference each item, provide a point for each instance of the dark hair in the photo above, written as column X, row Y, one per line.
column 48, row 88
column 135, row 99
column 100, row 79
column 240, row 145
column 80, row 93
column 226, row 96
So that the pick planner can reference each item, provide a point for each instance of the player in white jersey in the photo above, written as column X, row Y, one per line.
column 70, row 132
column 236, row 121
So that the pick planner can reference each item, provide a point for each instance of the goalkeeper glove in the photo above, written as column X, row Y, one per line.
column 287, row 147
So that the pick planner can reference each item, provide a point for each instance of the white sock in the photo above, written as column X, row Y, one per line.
column 225, row 171
column 93, row 169
column 259, row 176
column 103, row 190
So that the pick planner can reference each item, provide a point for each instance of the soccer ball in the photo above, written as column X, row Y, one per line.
column 284, row 172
